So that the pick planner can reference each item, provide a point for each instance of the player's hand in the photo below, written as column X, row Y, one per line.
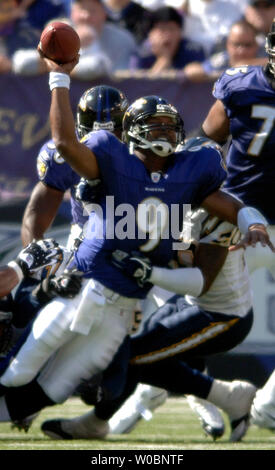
column 88, row 190
column 134, row 265
column 40, row 255
column 257, row 233
column 67, row 285
column 52, row 66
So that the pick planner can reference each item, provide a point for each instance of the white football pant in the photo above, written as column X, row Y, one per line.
column 68, row 344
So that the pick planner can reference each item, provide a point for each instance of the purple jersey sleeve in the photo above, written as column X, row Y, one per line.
column 110, row 153
column 233, row 85
column 210, row 173
column 53, row 170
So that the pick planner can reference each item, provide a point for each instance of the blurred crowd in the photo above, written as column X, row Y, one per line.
column 192, row 40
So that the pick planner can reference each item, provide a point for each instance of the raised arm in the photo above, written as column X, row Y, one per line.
column 78, row 155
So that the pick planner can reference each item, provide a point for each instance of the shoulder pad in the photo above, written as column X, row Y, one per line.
column 195, row 143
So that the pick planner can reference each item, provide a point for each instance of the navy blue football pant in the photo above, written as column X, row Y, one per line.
column 170, row 352
column 24, row 308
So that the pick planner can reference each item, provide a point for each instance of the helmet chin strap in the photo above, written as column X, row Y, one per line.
column 161, row 148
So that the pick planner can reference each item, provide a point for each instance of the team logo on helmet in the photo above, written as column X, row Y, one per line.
column 83, row 103
column 139, row 103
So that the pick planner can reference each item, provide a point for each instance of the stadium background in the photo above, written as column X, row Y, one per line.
column 24, row 127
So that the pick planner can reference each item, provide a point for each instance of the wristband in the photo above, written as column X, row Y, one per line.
column 17, row 269
column 249, row 216
column 59, row 80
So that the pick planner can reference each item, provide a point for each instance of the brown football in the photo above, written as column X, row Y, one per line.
column 59, row 42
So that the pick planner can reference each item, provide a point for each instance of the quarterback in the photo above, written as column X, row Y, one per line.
column 72, row 339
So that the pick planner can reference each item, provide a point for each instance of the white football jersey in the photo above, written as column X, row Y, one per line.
column 230, row 292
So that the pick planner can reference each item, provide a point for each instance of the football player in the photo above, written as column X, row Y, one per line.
column 245, row 108
column 100, row 107
column 248, row 117
column 171, row 349
column 44, row 257
column 74, row 339
column 43, row 260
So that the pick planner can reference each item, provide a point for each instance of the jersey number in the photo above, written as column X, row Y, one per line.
column 267, row 113
column 152, row 218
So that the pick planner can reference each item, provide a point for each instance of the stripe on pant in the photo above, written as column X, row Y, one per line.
column 209, row 332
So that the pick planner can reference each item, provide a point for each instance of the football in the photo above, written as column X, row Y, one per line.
column 59, row 42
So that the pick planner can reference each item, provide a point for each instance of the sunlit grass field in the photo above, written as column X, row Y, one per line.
column 174, row 427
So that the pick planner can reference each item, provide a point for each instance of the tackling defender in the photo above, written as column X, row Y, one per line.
column 172, row 346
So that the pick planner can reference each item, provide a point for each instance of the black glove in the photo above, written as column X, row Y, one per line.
column 133, row 265
column 38, row 255
column 66, row 285
column 88, row 190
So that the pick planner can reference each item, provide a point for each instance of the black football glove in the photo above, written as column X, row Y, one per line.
column 88, row 191
column 134, row 265
column 38, row 255
column 66, row 285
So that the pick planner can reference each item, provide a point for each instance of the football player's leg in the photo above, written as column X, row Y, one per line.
column 19, row 403
column 109, row 383
column 82, row 356
column 263, row 406
column 78, row 360
column 26, row 306
column 49, row 331
column 145, row 398
column 177, row 328
column 94, row 424
column 179, row 377
column 85, row 355
column 24, row 309
column 6, row 327
column 189, row 331
column 140, row 404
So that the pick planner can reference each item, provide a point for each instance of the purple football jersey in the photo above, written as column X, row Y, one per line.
column 138, row 209
column 249, row 102
column 56, row 173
